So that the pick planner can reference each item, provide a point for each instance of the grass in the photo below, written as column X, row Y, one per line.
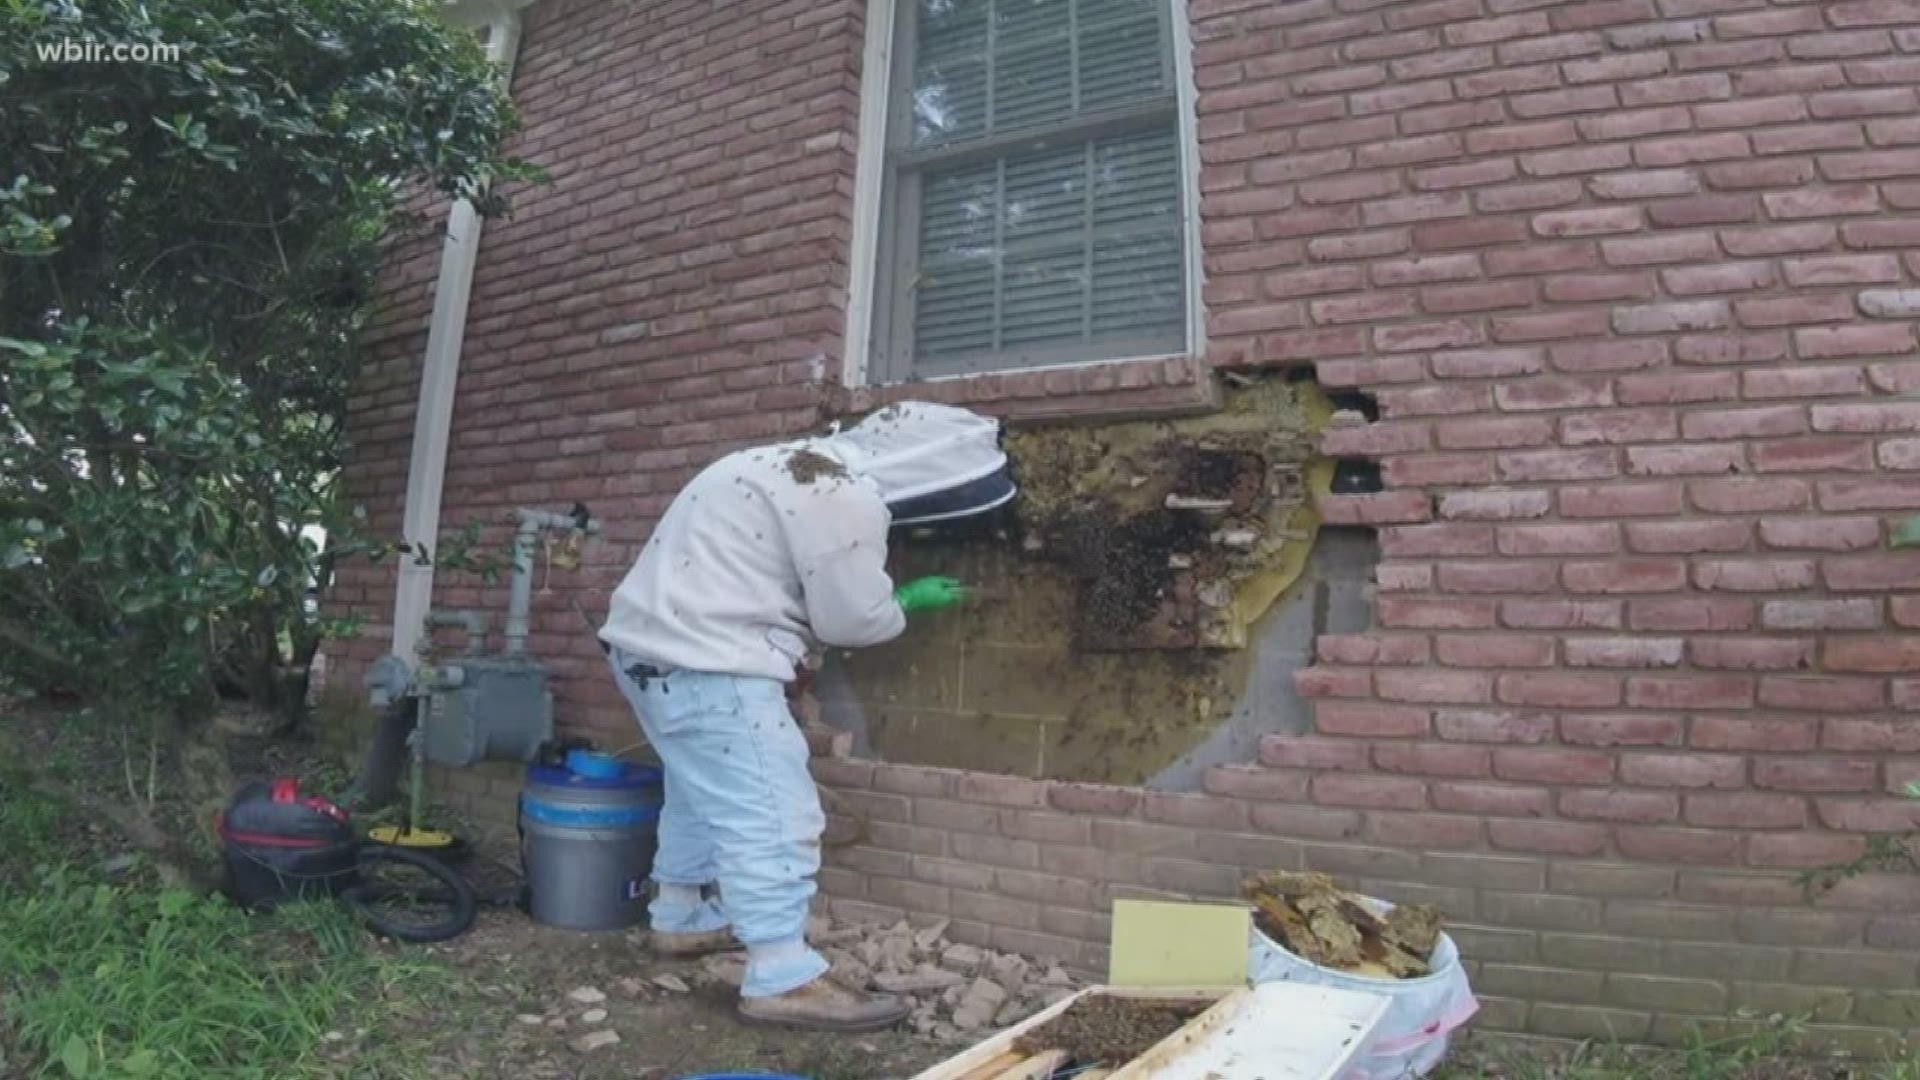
column 1768, row 1051
column 116, row 978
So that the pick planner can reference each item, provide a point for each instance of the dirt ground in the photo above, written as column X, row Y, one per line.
column 509, row 1014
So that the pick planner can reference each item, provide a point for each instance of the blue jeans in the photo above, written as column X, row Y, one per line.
column 741, row 812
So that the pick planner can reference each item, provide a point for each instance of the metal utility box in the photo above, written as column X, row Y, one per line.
column 489, row 708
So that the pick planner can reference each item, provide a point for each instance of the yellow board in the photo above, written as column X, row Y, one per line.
column 1166, row 944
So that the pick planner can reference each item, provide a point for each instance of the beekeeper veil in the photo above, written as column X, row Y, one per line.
column 930, row 462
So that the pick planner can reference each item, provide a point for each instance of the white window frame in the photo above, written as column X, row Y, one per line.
column 870, row 176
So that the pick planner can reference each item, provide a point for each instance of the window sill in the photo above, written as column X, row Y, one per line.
column 1109, row 389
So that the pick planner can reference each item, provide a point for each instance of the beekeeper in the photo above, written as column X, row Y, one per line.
column 764, row 553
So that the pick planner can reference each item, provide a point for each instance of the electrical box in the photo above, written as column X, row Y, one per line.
column 491, row 708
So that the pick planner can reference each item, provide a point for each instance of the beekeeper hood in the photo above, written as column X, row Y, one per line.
column 930, row 462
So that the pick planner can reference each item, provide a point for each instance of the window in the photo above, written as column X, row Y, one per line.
column 1035, row 193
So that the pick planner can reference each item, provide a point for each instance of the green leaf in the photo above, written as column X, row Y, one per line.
column 140, row 1063
column 77, row 1057
column 1907, row 533
column 174, row 902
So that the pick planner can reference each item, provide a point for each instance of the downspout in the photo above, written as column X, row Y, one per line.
column 439, row 374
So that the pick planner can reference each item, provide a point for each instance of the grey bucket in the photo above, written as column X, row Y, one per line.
column 587, row 844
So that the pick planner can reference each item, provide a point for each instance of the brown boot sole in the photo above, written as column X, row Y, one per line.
column 852, row 1027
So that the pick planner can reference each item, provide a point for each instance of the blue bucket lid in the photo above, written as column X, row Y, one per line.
column 627, row 777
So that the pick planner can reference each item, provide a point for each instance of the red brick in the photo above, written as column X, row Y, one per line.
column 1564, row 539
column 1476, row 725
column 1684, row 770
column 1625, row 576
column 1690, row 692
column 1635, row 807
column 1552, row 393
column 1367, row 720
column 1897, row 378
column 1491, row 505
column 1434, row 400
column 1306, row 752
column 1779, row 239
column 1878, row 655
column 1751, row 347
column 1853, row 614
column 1412, row 471
column 1723, row 277
column 1300, row 821
column 1450, row 538
column 1506, row 198
column 1660, row 248
column 1094, row 798
column 1332, row 682
column 1561, row 614
column 1548, row 837
column 1554, row 765
column 1753, row 575
column 1548, row 327
column 1481, row 433
column 1687, row 537
column 1867, row 417
column 1690, row 613
column 1752, row 654
column 1821, row 343
column 1892, row 816
column 1429, row 685
column 1419, row 337
column 1815, row 774
column 1593, row 464
column 1689, row 847
column 1376, row 439
column 1841, row 270
column 1880, row 572
column 1496, row 800
column 1621, row 500
column 1390, row 507
column 1369, row 792
column 1631, row 729
column 1777, row 734
column 1665, row 388
column 1493, row 650
column 1748, row 496
column 1619, row 426
column 1372, row 649
column 1818, row 203
column 1820, row 534
column 1889, row 736
column 1836, row 694
column 1624, row 652
column 1423, row 759
column 1582, row 288
column 1814, row 455
column 1423, row 831
column 1745, row 810
column 1802, row 850
column 1559, row 690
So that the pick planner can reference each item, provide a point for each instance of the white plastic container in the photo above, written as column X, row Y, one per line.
column 1413, row 1037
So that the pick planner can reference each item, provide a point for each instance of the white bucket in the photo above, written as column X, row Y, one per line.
column 1412, row 1039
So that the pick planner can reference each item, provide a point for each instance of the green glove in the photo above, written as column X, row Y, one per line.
column 929, row 594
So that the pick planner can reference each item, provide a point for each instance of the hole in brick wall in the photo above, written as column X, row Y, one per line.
column 1356, row 476
column 1355, row 401
column 1123, row 601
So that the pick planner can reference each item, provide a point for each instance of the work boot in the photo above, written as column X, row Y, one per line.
column 686, row 944
column 825, row 1005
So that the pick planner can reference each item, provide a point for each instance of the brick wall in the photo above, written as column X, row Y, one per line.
column 1632, row 283
column 1633, row 286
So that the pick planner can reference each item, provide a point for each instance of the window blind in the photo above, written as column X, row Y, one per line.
column 1042, row 230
